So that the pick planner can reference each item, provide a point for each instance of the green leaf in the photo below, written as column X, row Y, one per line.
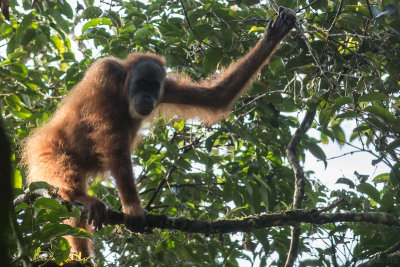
column 203, row 31
column 61, row 249
column 47, row 203
column 96, row 22
column 265, row 185
column 369, row 190
column 382, row 113
column 17, row 179
column 372, row 97
column 40, row 41
column 316, row 150
column 340, row 101
column 395, row 174
column 211, row 140
column 13, row 101
column 276, row 65
column 114, row 17
column 190, row 205
column 324, row 139
column 347, row 115
column 19, row 68
column 92, row 12
column 18, row 53
column 256, row 29
column 58, row 43
column 5, row 30
column 23, row 27
column 22, row 113
column 358, row 9
column 142, row 34
column 325, row 117
column 383, row 177
column 39, row 185
column 66, row 9
column 339, row 134
column 394, row 144
column 59, row 20
column 211, row 60
column 52, row 230
column 345, row 181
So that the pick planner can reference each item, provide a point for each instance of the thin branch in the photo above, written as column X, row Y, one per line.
column 345, row 154
column 307, row 6
column 186, row 15
column 293, row 159
column 310, row 49
column 314, row 55
column 331, row 206
column 392, row 259
column 390, row 256
column 299, row 182
column 333, row 252
column 153, row 197
column 336, row 18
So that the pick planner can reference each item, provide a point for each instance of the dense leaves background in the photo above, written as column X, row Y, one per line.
column 342, row 61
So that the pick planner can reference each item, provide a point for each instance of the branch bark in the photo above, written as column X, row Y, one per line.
column 250, row 223
column 299, row 183
column 244, row 224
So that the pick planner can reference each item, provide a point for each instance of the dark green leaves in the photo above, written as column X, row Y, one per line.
column 92, row 12
column 381, row 113
column 369, row 190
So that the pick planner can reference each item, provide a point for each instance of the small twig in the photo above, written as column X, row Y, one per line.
column 314, row 55
column 344, row 154
column 331, row 206
column 199, row 186
column 274, row 5
column 336, row 16
column 250, row 20
column 173, row 168
column 186, row 16
column 307, row 6
column 333, row 252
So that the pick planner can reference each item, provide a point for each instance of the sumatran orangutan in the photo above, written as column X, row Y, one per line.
column 92, row 131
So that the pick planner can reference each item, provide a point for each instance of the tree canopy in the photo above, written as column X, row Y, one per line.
column 237, row 191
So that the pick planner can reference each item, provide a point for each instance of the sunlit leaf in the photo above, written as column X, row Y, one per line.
column 96, row 22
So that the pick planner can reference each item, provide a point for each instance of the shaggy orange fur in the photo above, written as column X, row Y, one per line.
column 92, row 131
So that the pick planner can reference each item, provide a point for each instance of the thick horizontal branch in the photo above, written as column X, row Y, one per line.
column 245, row 224
column 248, row 224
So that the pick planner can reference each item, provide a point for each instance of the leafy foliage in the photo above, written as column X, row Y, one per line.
column 343, row 63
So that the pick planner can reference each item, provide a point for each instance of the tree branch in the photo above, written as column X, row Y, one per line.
column 390, row 256
column 244, row 224
column 299, row 182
